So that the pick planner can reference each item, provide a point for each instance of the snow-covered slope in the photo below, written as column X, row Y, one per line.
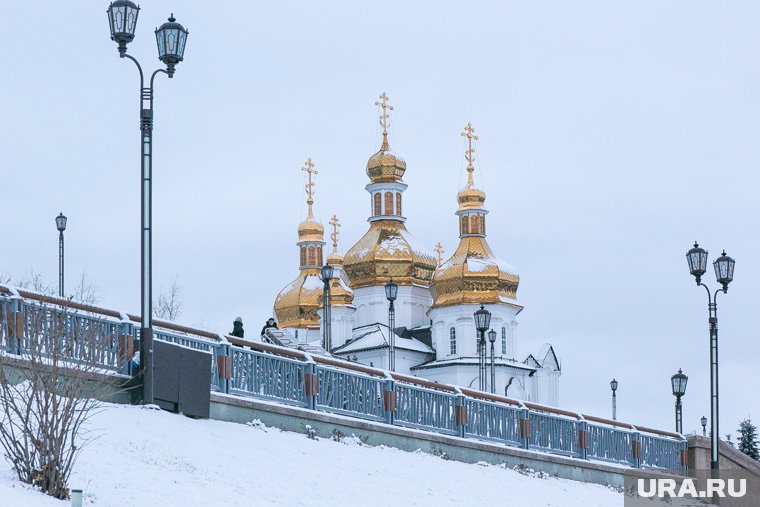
column 147, row 457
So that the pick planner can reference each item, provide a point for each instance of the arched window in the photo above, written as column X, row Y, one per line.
column 378, row 204
column 453, row 340
column 312, row 256
column 388, row 203
column 503, row 340
column 465, row 224
column 483, row 225
column 303, row 256
column 398, row 203
column 319, row 256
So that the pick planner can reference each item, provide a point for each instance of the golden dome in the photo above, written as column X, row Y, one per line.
column 296, row 305
column 340, row 293
column 385, row 166
column 310, row 229
column 470, row 198
column 334, row 259
column 474, row 275
column 388, row 251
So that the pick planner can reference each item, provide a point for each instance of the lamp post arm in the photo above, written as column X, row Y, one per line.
column 153, row 76
column 139, row 68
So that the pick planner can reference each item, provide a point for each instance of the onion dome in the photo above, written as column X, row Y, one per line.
column 473, row 275
column 296, row 305
column 340, row 293
column 388, row 251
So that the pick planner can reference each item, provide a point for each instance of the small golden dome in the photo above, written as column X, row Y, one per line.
column 385, row 166
column 340, row 293
column 388, row 251
column 296, row 305
column 474, row 275
column 310, row 229
column 334, row 259
column 470, row 198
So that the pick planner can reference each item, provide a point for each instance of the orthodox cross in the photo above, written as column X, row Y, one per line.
column 469, row 133
column 335, row 224
column 439, row 250
column 384, row 116
column 308, row 168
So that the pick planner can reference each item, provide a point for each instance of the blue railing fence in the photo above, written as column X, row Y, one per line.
column 324, row 383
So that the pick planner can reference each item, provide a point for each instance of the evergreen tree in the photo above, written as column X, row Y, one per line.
column 728, row 440
column 748, row 439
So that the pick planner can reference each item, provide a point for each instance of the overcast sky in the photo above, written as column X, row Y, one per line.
column 612, row 135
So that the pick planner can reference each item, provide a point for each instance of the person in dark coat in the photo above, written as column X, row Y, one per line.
column 237, row 328
column 270, row 324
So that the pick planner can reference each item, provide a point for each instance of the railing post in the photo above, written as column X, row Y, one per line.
column 389, row 398
column 126, row 347
column 311, row 382
column 635, row 449
column 684, row 457
column 15, row 323
column 582, row 438
column 524, row 427
column 224, row 365
column 460, row 411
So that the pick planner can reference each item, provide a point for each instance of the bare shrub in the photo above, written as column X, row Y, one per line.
column 48, row 391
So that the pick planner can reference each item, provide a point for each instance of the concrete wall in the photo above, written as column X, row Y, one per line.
column 242, row 410
column 730, row 458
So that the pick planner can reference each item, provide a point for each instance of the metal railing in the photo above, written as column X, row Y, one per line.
column 326, row 384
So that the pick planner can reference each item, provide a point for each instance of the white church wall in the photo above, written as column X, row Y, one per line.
column 411, row 305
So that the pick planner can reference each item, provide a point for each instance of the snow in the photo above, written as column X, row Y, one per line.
column 313, row 282
column 394, row 244
column 149, row 457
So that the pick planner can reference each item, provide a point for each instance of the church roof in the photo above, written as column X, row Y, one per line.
column 471, row 361
column 375, row 336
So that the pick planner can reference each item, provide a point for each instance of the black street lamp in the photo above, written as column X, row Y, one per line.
column 704, row 426
column 391, row 291
column 614, row 386
column 327, row 275
column 678, row 382
column 171, row 38
column 492, row 339
column 482, row 323
column 724, row 273
column 60, row 224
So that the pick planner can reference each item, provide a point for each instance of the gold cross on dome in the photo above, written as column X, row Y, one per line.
column 308, row 168
column 334, row 236
column 384, row 115
column 439, row 250
column 469, row 133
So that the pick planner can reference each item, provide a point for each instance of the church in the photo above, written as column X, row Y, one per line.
column 434, row 334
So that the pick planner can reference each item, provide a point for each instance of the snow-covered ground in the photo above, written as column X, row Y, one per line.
column 151, row 458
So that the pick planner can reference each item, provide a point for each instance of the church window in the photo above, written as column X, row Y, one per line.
column 465, row 224
column 398, row 203
column 378, row 205
column 319, row 256
column 312, row 256
column 483, row 225
column 503, row 340
column 303, row 256
column 453, row 340
column 388, row 203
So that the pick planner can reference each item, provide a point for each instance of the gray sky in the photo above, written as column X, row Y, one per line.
column 612, row 135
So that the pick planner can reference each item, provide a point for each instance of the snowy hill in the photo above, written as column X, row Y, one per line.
column 147, row 457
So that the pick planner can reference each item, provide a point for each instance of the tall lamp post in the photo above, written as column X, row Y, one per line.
column 492, row 339
column 704, row 426
column 171, row 38
column 724, row 273
column 614, row 386
column 482, row 323
column 60, row 223
column 391, row 291
column 678, row 382
column 327, row 275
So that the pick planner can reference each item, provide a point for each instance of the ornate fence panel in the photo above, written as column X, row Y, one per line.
column 268, row 376
column 350, row 393
column 554, row 434
column 424, row 408
column 658, row 452
column 69, row 336
column 492, row 421
column 610, row 444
